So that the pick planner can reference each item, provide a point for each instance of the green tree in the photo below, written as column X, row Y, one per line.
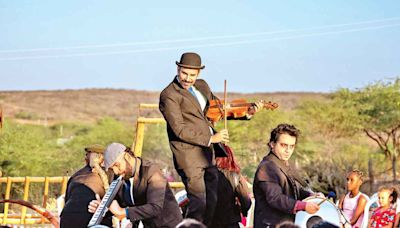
column 333, row 142
column 25, row 149
column 378, row 110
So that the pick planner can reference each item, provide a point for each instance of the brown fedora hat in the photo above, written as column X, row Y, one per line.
column 190, row 60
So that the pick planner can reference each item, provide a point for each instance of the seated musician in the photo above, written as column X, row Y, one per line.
column 278, row 190
column 145, row 195
column 82, row 188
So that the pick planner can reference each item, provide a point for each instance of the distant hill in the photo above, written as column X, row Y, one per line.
column 88, row 105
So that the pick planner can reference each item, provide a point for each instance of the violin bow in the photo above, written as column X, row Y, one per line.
column 225, row 101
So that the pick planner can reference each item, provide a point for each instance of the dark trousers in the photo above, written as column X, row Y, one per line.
column 201, row 186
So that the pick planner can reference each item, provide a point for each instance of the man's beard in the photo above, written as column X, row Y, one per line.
column 128, row 172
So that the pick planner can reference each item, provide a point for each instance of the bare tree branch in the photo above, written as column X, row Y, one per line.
column 376, row 139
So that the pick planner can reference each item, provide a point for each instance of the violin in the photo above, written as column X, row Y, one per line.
column 235, row 109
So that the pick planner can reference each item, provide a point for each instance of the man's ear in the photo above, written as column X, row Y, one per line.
column 116, row 164
column 271, row 145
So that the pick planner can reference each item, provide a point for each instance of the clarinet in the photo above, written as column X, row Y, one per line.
column 106, row 202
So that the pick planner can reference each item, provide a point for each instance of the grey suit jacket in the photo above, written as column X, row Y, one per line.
column 187, row 125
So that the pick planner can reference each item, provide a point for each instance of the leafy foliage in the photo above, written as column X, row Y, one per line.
column 333, row 138
column 28, row 150
column 378, row 112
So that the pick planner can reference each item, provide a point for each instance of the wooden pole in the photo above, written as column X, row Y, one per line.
column 225, row 102
column 1, row 117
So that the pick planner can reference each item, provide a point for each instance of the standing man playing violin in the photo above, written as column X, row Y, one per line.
column 192, row 138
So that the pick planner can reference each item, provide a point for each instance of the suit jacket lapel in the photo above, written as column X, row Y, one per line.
column 289, row 171
column 188, row 95
column 285, row 170
column 205, row 93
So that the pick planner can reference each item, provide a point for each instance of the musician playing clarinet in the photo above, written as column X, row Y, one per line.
column 145, row 195
column 278, row 190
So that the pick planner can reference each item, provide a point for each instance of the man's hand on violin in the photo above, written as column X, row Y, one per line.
column 255, row 108
column 258, row 106
column 222, row 136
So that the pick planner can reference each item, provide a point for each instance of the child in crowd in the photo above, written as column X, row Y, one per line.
column 353, row 203
column 396, row 206
column 384, row 215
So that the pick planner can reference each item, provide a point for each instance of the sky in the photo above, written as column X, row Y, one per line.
column 257, row 46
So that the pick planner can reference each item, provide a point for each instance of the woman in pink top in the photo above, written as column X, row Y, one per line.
column 353, row 203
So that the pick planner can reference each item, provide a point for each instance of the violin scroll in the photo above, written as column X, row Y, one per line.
column 270, row 105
